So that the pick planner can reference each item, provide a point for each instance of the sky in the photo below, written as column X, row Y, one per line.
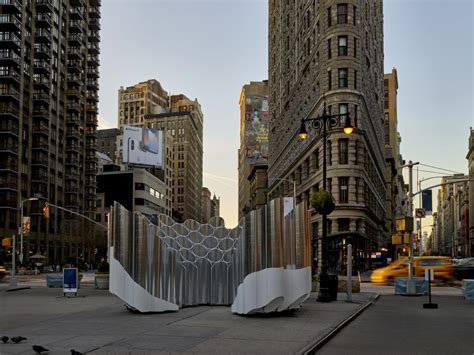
column 209, row 49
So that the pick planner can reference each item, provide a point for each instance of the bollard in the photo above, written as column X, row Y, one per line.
column 349, row 273
column 429, row 275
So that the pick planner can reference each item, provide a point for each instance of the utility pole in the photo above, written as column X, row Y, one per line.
column 411, row 290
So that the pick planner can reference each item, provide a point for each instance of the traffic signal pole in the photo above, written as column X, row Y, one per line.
column 411, row 289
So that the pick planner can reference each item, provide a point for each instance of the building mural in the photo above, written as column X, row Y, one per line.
column 256, row 129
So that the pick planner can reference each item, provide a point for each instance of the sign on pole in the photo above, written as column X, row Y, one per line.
column 26, row 224
column 70, row 280
column 427, row 201
column 420, row 213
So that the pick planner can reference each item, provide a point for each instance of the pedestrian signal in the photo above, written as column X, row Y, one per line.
column 46, row 211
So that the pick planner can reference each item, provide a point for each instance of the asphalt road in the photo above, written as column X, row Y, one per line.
column 400, row 325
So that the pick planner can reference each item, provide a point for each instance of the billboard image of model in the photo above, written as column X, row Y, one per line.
column 142, row 146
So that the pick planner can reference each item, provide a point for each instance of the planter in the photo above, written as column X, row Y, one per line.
column 101, row 281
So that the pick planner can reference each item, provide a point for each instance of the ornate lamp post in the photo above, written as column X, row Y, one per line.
column 325, row 122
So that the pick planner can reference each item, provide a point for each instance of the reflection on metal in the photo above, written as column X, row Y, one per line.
column 258, row 265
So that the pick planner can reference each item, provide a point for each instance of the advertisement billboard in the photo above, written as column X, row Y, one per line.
column 70, row 280
column 256, row 129
column 142, row 146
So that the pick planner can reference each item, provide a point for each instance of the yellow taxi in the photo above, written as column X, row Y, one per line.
column 3, row 272
column 441, row 265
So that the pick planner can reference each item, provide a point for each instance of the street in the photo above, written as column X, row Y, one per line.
column 400, row 325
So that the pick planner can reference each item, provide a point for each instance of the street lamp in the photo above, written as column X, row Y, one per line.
column 322, row 122
column 13, row 282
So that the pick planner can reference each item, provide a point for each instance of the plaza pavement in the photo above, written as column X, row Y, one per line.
column 97, row 322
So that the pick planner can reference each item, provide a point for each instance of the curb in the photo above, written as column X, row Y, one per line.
column 312, row 349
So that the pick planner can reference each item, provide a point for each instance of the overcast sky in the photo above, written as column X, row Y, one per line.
column 209, row 49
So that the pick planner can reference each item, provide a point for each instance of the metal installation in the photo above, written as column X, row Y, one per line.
column 262, row 265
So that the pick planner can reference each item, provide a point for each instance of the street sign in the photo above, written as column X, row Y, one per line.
column 429, row 274
column 26, row 224
column 420, row 213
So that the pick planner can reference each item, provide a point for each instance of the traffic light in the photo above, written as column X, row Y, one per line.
column 7, row 242
column 46, row 211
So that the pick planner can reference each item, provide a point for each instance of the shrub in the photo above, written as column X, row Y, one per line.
column 103, row 266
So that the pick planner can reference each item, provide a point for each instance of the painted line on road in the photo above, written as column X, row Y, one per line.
column 321, row 342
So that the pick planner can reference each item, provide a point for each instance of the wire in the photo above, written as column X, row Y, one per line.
column 435, row 167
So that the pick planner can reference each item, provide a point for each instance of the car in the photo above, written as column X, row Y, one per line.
column 3, row 272
column 441, row 266
column 464, row 269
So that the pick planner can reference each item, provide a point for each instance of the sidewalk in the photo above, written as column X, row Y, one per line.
column 97, row 322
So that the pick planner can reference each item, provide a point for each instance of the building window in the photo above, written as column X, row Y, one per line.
column 354, row 20
column 317, row 158
column 355, row 79
column 329, row 152
column 343, row 151
column 343, row 224
column 343, row 78
column 342, row 45
column 343, row 190
column 355, row 47
column 329, row 17
column 329, row 80
column 341, row 14
column 387, row 129
column 329, row 48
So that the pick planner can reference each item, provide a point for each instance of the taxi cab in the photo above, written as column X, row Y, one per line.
column 441, row 266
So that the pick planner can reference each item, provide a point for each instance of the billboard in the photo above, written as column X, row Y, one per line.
column 142, row 146
column 256, row 129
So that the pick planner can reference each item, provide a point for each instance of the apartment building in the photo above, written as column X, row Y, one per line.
column 49, row 69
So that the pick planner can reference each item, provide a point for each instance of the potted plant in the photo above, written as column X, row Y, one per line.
column 101, row 279
column 322, row 202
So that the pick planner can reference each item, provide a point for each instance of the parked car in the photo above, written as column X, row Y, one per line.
column 441, row 265
column 464, row 269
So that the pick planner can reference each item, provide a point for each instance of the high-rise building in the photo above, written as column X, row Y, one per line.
column 107, row 142
column 183, row 120
column 253, row 139
column 395, row 204
column 330, row 53
column 451, row 227
column 49, row 65
column 470, row 164
column 135, row 102
column 215, row 206
column 206, row 205
column 147, row 104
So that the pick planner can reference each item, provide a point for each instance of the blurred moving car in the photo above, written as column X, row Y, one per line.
column 3, row 272
column 464, row 269
column 441, row 265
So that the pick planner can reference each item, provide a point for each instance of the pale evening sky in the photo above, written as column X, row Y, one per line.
column 209, row 49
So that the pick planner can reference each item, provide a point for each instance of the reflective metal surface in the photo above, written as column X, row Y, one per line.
column 191, row 263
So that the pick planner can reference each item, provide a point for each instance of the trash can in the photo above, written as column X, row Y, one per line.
column 333, row 283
